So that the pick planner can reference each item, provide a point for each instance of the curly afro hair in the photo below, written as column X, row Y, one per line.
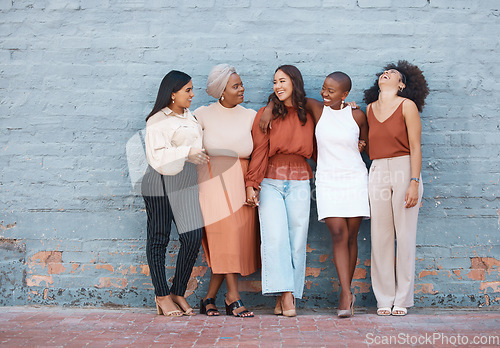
column 416, row 87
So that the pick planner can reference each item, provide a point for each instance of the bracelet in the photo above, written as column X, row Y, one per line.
column 415, row 179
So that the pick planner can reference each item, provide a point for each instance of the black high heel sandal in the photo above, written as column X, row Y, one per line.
column 237, row 304
column 204, row 310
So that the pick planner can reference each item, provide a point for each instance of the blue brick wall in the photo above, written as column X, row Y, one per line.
column 78, row 78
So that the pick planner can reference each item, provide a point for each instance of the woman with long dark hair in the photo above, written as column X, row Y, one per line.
column 395, row 184
column 278, row 181
column 169, row 188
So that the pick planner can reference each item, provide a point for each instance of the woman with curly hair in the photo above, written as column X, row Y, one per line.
column 395, row 184
column 278, row 168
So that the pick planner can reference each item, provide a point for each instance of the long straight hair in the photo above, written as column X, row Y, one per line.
column 171, row 83
column 298, row 95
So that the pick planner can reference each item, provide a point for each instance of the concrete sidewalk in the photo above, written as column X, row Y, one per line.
column 141, row 327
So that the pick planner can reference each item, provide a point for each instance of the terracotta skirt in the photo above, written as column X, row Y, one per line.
column 231, row 240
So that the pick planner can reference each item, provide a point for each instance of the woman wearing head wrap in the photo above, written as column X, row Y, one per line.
column 231, row 240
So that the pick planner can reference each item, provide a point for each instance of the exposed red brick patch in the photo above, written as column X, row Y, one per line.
column 144, row 269
column 361, row 287
column 359, row 273
column 487, row 299
column 358, row 261
column 199, row 271
column 476, row 274
column 75, row 266
column 45, row 291
column 105, row 266
column 36, row 280
column 108, row 282
column 55, row 268
column 487, row 263
column 311, row 271
column 368, row 262
column 192, row 285
column 495, row 286
column 335, row 285
column 7, row 227
column 423, row 274
column 323, row 258
column 309, row 249
column 308, row 284
column 458, row 273
column 51, row 259
column 425, row 288
column 250, row 285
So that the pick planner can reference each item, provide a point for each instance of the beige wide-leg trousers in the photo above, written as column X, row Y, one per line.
column 392, row 268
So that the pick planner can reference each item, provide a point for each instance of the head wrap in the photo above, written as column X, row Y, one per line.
column 217, row 79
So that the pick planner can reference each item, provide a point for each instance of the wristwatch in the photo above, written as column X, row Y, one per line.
column 415, row 179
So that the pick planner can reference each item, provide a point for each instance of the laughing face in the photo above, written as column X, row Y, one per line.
column 391, row 77
column 333, row 93
column 283, row 87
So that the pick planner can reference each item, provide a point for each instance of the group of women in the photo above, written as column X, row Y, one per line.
column 225, row 172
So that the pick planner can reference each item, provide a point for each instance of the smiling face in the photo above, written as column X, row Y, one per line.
column 182, row 98
column 234, row 92
column 333, row 93
column 283, row 87
column 392, row 78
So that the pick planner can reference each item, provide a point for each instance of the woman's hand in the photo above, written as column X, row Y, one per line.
column 252, row 197
column 197, row 156
column 266, row 119
column 353, row 104
column 361, row 145
column 411, row 197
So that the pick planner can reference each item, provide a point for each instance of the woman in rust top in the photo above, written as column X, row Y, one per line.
column 278, row 181
column 395, row 187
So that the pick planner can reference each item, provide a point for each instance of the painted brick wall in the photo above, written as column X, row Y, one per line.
column 79, row 77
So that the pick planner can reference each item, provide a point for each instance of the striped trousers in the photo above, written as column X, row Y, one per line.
column 172, row 198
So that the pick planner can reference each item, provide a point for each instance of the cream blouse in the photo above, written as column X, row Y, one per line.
column 169, row 137
column 226, row 131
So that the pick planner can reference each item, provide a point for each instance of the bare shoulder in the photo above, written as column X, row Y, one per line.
column 409, row 106
column 358, row 113
column 359, row 116
column 410, row 112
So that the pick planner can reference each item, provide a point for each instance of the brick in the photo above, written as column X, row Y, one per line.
column 373, row 4
column 80, row 76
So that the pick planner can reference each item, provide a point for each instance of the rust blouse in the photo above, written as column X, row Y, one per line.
column 389, row 138
column 281, row 153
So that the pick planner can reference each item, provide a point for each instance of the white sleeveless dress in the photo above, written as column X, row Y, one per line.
column 341, row 175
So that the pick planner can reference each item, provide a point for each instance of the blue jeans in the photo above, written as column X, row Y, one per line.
column 284, row 222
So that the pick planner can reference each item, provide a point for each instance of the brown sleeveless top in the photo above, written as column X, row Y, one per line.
column 389, row 138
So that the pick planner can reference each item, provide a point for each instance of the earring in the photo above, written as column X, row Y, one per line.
column 342, row 104
column 173, row 101
column 401, row 89
column 222, row 98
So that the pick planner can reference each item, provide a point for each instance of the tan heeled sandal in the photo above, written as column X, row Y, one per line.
column 278, row 310
column 346, row 313
column 160, row 311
